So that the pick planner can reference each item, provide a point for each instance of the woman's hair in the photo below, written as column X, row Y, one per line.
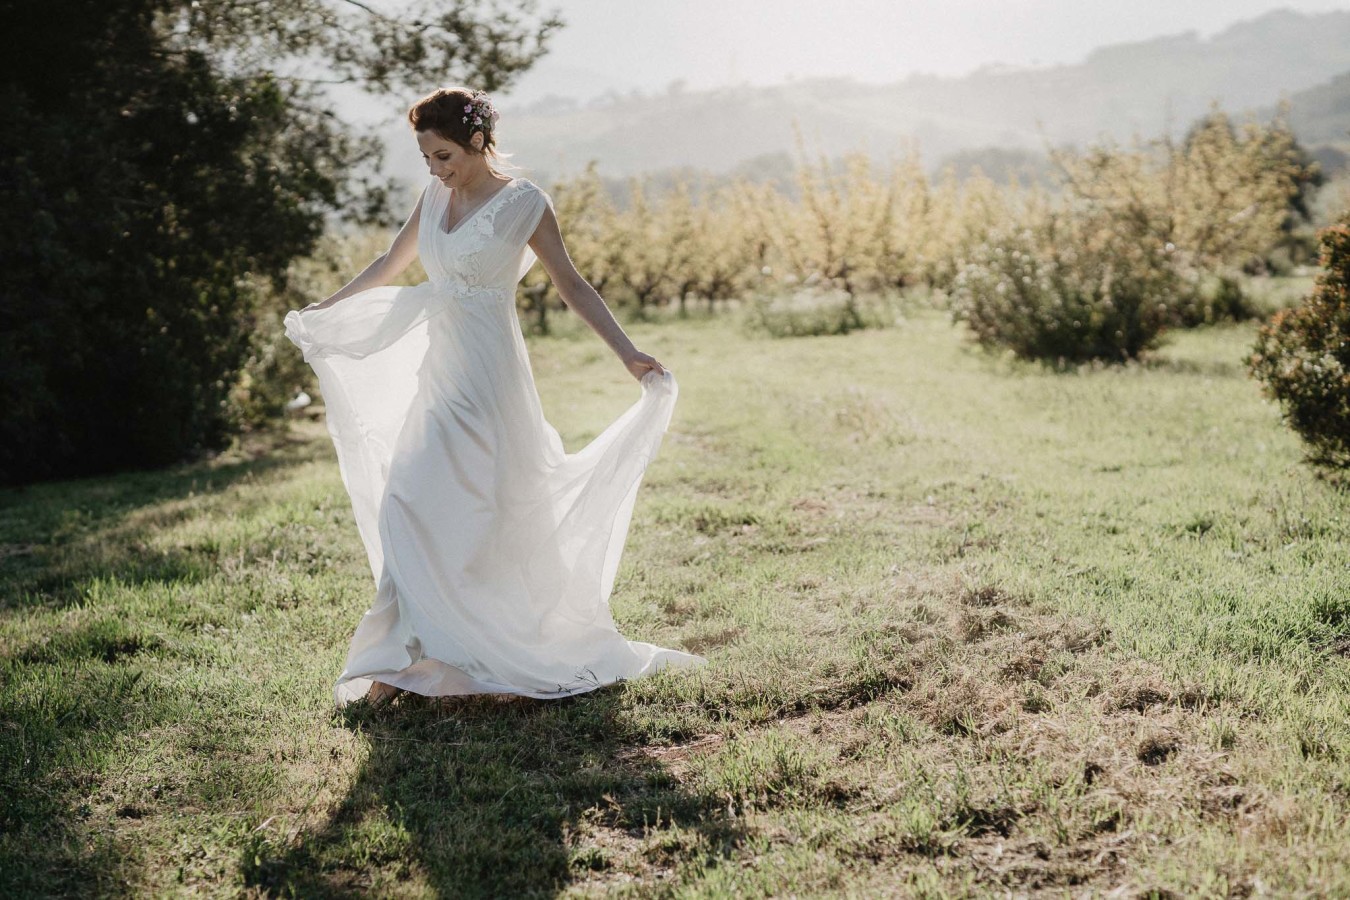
column 442, row 112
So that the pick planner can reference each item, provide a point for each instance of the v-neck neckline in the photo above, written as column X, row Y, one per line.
column 482, row 206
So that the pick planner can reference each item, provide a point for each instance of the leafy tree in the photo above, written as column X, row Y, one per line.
column 1219, row 197
column 647, row 266
column 728, row 249
column 597, row 246
column 1281, row 147
column 839, row 232
column 1302, row 357
column 682, row 231
column 162, row 159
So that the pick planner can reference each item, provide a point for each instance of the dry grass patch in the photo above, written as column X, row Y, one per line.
column 1014, row 749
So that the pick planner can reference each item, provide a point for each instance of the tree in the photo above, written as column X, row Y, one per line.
column 1281, row 147
column 841, row 231
column 1219, row 197
column 1302, row 357
column 647, row 266
column 163, row 157
column 588, row 218
column 727, row 247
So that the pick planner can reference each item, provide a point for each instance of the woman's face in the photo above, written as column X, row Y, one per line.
column 446, row 160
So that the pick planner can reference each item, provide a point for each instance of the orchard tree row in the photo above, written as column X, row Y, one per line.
column 1212, row 204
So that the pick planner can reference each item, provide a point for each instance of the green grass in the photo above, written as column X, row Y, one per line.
column 974, row 628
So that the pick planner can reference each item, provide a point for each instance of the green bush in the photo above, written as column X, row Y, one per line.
column 274, row 371
column 1067, row 288
column 1302, row 356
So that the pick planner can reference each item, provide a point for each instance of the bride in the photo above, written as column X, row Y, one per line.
column 494, row 551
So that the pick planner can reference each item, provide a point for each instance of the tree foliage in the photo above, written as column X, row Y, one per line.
column 1302, row 357
column 1220, row 196
column 162, row 159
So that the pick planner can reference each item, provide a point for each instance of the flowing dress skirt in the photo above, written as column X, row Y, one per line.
column 494, row 551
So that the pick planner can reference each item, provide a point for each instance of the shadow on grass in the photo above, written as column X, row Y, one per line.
column 67, row 696
column 483, row 797
column 62, row 709
column 1210, row 368
column 57, row 537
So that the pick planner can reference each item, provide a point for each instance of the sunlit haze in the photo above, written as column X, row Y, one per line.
column 608, row 45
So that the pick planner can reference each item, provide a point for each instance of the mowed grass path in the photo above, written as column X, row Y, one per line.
column 974, row 627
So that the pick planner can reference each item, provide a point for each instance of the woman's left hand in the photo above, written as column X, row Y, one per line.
column 318, row 304
column 640, row 364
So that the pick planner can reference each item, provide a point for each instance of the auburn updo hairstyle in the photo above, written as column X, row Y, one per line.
column 442, row 112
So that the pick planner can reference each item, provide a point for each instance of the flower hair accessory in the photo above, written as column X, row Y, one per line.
column 480, row 111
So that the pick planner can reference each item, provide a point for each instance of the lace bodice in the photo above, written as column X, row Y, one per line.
column 489, row 249
column 485, row 256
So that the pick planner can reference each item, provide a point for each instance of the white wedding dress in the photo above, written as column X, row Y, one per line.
column 494, row 551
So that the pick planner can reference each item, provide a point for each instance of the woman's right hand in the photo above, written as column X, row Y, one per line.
column 639, row 364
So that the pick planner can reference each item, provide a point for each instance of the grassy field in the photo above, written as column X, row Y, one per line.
column 974, row 628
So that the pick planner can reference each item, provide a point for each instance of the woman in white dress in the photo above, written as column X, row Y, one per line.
column 493, row 550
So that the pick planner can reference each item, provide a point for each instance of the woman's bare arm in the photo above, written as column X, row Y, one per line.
column 385, row 267
column 577, row 293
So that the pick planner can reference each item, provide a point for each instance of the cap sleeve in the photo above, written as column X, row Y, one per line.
column 526, row 210
column 517, row 220
column 541, row 201
column 430, row 200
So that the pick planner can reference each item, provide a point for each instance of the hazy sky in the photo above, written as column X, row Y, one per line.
column 627, row 44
